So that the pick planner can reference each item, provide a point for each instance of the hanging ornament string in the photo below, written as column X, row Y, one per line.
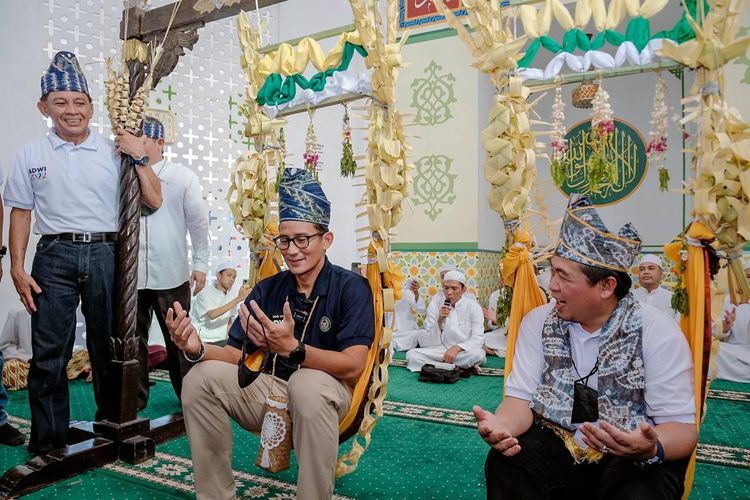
column 348, row 165
column 282, row 160
column 311, row 156
column 601, row 168
column 560, row 161
column 656, row 151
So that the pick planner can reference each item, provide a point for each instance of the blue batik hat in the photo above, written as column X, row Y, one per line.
column 64, row 75
column 301, row 198
column 153, row 128
column 585, row 239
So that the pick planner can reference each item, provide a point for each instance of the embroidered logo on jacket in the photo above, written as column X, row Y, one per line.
column 325, row 324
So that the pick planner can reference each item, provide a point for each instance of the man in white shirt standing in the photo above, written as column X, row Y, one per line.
column 650, row 273
column 164, row 274
column 454, row 329
column 213, row 310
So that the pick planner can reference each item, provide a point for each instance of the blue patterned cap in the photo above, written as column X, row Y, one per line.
column 64, row 75
column 153, row 128
column 301, row 198
column 585, row 239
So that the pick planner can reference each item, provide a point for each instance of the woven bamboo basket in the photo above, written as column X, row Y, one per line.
column 583, row 95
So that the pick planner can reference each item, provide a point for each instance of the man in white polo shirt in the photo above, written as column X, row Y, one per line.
column 164, row 274
column 213, row 309
column 600, row 401
column 69, row 178
column 650, row 273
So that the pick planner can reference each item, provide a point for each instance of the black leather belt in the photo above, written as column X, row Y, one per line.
column 84, row 237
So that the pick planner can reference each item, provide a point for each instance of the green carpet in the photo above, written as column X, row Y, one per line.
column 424, row 447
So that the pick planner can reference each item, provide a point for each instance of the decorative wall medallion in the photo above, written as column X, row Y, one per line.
column 432, row 96
column 433, row 183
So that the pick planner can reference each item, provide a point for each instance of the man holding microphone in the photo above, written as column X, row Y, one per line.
column 454, row 329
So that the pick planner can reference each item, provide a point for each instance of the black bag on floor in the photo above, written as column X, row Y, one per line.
column 430, row 373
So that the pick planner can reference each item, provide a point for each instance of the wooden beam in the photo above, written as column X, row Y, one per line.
column 539, row 85
column 331, row 101
column 143, row 23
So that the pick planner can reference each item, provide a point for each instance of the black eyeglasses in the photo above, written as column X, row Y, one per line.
column 300, row 241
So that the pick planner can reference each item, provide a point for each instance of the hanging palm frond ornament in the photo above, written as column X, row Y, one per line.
column 126, row 105
column 601, row 167
column 656, row 150
column 348, row 165
column 560, row 163
column 311, row 156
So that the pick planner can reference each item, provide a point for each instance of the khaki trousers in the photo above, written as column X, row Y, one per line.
column 210, row 395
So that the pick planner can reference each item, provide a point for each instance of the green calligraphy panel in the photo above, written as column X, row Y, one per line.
column 628, row 151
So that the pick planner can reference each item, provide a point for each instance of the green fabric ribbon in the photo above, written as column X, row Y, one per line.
column 275, row 91
column 638, row 32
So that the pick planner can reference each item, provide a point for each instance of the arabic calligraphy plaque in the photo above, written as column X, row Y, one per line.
column 629, row 152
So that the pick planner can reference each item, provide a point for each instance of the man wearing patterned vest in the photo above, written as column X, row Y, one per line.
column 600, row 402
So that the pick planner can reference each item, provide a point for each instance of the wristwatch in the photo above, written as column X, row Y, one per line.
column 142, row 161
column 656, row 459
column 3, row 251
column 297, row 356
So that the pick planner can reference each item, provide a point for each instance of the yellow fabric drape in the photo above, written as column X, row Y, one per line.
column 271, row 257
column 693, row 323
column 518, row 272
column 288, row 60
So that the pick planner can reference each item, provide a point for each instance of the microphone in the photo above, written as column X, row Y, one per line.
column 447, row 303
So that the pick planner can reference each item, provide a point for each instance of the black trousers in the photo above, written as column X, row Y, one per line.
column 157, row 302
column 544, row 469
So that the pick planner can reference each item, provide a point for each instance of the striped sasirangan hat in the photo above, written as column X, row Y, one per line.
column 64, row 75
column 585, row 239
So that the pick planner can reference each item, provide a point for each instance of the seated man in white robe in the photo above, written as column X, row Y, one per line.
column 406, row 329
column 650, row 273
column 496, row 336
column 439, row 297
column 454, row 329
column 733, row 359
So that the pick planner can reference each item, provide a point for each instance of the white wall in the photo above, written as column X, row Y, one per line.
column 22, row 38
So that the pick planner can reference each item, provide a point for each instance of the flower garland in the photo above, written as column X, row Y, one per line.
column 679, row 295
column 348, row 165
column 601, row 168
column 282, row 160
column 311, row 156
column 560, row 164
column 656, row 151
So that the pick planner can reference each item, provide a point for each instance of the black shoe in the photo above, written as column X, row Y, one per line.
column 10, row 436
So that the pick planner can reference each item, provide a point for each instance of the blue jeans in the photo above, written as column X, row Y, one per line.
column 67, row 273
column 3, row 395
